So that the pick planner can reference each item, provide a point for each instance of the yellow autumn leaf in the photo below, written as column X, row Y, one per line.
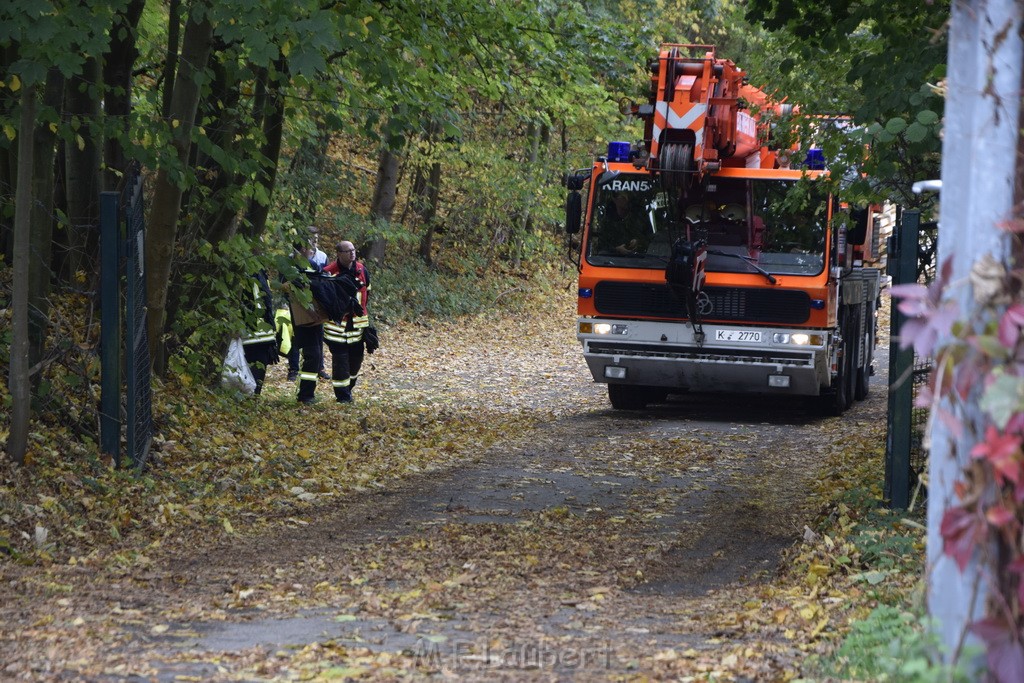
column 10, row 132
column 81, row 142
column 819, row 627
column 15, row 84
column 227, row 526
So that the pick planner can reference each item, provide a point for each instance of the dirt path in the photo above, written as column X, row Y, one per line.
column 596, row 545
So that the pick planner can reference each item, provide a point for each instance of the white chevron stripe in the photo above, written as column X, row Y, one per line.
column 684, row 121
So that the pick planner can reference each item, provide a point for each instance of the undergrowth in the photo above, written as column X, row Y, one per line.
column 882, row 552
column 461, row 283
column 210, row 459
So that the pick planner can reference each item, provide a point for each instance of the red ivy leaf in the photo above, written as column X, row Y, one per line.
column 1002, row 451
column 1010, row 325
column 1012, row 225
column 952, row 422
column 998, row 516
column 1005, row 652
column 929, row 318
column 961, row 531
column 1017, row 567
column 1016, row 424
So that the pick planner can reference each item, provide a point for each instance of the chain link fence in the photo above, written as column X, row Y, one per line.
column 912, row 258
column 122, row 246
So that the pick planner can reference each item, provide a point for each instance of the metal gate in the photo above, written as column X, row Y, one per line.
column 911, row 258
column 122, row 247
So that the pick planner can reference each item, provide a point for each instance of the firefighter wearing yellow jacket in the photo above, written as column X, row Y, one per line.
column 345, row 339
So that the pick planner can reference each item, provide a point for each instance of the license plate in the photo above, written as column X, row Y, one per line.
column 738, row 336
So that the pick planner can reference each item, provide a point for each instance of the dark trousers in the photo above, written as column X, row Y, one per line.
column 309, row 339
column 346, row 360
column 259, row 356
column 293, row 354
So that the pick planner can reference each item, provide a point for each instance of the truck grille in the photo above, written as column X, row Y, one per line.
column 703, row 353
column 735, row 304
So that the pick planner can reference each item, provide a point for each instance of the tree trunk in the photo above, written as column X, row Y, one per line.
column 386, row 188
column 383, row 204
column 983, row 115
column 8, row 158
column 526, row 218
column 18, row 373
column 273, row 128
column 171, row 55
column 431, row 198
column 118, row 63
column 218, row 221
column 163, row 221
column 82, row 172
column 273, row 125
column 44, row 141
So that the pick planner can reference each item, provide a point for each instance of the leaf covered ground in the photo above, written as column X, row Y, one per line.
column 479, row 514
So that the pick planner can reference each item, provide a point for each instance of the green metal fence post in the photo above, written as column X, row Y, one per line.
column 110, row 327
column 901, row 369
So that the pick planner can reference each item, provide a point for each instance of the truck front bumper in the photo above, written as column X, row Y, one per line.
column 668, row 355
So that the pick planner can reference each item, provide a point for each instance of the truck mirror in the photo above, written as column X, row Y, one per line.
column 573, row 212
column 574, row 181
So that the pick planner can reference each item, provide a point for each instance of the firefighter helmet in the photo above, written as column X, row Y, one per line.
column 695, row 213
column 734, row 213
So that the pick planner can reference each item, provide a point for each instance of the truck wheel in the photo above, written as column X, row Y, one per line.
column 864, row 372
column 627, row 397
column 853, row 334
column 838, row 397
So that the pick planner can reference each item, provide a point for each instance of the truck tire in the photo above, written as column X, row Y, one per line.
column 627, row 397
column 838, row 398
column 863, row 387
column 853, row 334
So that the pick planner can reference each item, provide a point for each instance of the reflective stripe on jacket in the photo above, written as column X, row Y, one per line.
column 261, row 300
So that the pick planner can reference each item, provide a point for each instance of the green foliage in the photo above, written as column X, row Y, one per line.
column 892, row 645
column 879, row 62
column 462, row 283
column 218, row 292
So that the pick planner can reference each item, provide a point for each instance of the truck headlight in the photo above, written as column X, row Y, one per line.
column 797, row 338
column 608, row 328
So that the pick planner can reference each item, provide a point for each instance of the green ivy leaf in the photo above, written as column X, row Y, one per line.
column 927, row 117
column 1003, row 397
column 991, row 346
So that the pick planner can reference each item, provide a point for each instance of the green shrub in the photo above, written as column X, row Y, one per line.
column 891, row 645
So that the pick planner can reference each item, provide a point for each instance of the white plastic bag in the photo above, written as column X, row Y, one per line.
column 236, row 373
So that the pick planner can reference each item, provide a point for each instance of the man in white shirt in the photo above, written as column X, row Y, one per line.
column 319, row 258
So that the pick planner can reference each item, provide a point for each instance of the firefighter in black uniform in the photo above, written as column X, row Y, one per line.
column 260, row 342
column 345, row 339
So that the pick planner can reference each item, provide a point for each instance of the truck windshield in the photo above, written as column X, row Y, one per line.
column 778, row 226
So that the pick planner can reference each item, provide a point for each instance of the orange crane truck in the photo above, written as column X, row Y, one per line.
column 712, row 259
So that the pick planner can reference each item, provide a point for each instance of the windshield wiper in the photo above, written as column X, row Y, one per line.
column 749, row 261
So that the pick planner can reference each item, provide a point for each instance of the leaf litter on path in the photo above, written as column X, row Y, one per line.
column 480, row 512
